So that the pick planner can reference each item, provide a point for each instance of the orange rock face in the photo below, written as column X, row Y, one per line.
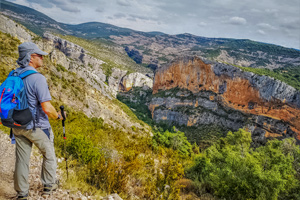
column 239, row 94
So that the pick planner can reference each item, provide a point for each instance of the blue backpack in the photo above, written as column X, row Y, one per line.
column 14, row 110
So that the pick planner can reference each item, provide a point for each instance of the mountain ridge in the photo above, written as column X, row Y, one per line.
column 157, row 49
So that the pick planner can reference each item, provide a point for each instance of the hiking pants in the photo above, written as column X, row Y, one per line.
column 43, row 139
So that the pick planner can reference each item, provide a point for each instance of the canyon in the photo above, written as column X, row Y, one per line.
column 193, row 92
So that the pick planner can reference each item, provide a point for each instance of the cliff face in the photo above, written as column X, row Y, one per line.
column 260, row 103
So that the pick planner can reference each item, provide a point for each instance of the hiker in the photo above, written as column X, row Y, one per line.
column 39, row 131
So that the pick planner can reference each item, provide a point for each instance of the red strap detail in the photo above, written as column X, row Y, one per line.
column 65, row 138
column 1, row 98
column 0, row 123
column 14, row 99
column 17, row 124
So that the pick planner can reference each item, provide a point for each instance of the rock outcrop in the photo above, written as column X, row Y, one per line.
column 226, row 95
column 16, row 30
column 76, row 59
column 135, row 80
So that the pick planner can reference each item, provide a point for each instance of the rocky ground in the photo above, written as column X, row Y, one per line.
column 7, row 162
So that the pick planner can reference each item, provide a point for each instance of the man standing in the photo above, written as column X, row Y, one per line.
column 39, row 131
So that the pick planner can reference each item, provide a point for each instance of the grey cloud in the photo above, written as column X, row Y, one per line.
column 123, row 3
column 292, row 25
column 63, row 5
column 142, row 17
column 119, row 15
column 43, row 3
column 131, row 19
column 76, row 1
column 100, row 10
column 69, row 8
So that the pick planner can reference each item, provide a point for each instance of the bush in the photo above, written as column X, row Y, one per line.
column 176, row 141
column 230, row 169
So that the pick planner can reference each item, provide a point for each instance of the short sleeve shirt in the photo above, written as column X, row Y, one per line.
column 37, row 91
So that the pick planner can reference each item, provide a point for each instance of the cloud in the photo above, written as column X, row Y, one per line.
column 291, row 25
column 261, row 32
column 141, row 17
column 63, row 5
column 69, row 8
column 266, row 26
column 123, row 3
column 76, row 1
column 100, row 10
column 119, row 15
column 237, row 21
column 202, row 24
column 271, row 11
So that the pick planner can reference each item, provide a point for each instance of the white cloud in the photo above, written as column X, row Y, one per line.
column 261, row 32
column 266, row 26
column 237, row 21
column 202, row 24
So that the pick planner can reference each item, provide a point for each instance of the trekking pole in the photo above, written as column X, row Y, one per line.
column 64, row 136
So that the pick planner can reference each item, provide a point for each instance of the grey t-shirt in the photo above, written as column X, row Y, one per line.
column 37, row 92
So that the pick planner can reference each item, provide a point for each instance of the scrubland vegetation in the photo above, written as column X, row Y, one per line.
column 165, row 165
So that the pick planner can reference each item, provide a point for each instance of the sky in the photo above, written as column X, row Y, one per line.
column 269, row 21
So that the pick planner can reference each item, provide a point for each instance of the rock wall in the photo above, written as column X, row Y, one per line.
column 9, row 26
column 265, row 101
column 76, row 59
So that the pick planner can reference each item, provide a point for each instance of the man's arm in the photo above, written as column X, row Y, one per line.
column 49, row 110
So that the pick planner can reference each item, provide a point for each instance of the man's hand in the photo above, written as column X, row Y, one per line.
column 61, row 116
column 50, row 110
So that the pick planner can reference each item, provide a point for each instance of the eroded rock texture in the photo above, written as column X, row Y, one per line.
column 221, row 94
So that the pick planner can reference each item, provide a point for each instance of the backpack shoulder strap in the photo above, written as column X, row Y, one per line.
column 11, row 73
column 27, row 73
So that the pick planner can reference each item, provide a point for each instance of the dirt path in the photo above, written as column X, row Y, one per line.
column 7, row 163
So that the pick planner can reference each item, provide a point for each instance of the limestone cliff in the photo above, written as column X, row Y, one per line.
column 226, row 95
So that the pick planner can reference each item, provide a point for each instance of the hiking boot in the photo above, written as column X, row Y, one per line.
column 25, row 197
column 49, row 188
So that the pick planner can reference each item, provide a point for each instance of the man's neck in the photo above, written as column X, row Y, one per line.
column 31, row 64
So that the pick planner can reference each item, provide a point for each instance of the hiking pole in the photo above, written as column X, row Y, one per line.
column 64, row 136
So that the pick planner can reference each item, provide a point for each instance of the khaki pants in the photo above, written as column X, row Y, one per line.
column 24, row 141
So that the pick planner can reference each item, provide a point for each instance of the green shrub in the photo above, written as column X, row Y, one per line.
column 230, row 169
column 176, row 141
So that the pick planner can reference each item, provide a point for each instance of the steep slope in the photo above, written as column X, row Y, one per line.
column 71, row 87
column 217, row 94
column 108, row 148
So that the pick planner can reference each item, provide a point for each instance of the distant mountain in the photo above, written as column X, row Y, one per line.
column 156, row 48
column 39, row 23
